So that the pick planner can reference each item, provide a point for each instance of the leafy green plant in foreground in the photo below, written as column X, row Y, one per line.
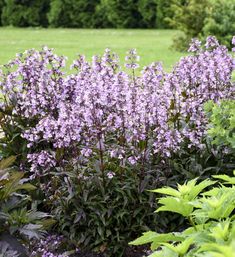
column 211, row 217
column 16, row 218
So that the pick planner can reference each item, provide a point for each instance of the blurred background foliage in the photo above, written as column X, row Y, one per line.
column 194, row 18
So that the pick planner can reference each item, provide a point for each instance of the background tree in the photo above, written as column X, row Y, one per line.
column 23, row 13
column 188, row 17
column 123, row 13
column 72, row 13
column 147, row 9
column 163, row 11
column 220, row 21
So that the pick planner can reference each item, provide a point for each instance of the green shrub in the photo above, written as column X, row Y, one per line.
column 100, row 16
column 93, row 14
column 164, row 12
column 210, row 214
column 17, row 217
column 25, row 13
column 147, row 9
column 122, row 13
column 1, row 7
column 104, row 13
column 222, row 123
column 73, row 13
column 220, row 21
column 188, row 17
column 201, row 18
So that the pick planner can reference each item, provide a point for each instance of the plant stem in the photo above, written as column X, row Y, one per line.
column 192, row 222
column 101, row 160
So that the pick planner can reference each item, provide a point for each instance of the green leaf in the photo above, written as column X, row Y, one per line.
column 164, row 252
column 37, row 215
column 150, row 236
column 181, row 248
column 4, row 216
column 32, row 231
column 166, row 191
column 196, row 190
column 173, row 204
column 26, row 186
column 6, row 163
column 226, row 178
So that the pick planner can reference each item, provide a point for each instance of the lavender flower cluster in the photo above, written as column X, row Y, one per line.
column 47, row 247
column 101, row 108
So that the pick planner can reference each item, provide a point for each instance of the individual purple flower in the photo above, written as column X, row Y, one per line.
column 132, row 59
column 110, row 174
column 86, row 152
column 195, row 45
column 233, row 43
column 233, row 40
column 211, row 42
column 41, row 162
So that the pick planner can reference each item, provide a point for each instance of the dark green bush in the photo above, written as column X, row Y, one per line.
column 220, row 21
column 104, row 216
column 100, row 16
column 123, row 14
column 24, row 13
column 147, row 9
column 100, row 211
column 164, row 12
column 188, row 17
column 1, row 7
column 75, row 13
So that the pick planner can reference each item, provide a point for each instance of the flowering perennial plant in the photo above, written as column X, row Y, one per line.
column 102, row 110
column 47, row 247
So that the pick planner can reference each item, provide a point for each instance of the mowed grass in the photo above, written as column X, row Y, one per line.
column 151, row 45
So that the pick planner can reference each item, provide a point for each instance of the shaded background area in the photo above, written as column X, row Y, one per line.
column 86, row 14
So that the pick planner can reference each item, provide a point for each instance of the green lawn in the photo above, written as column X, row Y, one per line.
column 152, row 45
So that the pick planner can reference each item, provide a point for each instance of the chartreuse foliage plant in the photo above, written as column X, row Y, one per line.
column 209, row 209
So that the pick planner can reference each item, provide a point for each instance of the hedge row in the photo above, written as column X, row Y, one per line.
column 85, row 14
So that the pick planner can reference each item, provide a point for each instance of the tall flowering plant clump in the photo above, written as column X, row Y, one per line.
column 204, row 75
column 32, row 88
column 100, row 132
column 103, row 111
column 99, row 108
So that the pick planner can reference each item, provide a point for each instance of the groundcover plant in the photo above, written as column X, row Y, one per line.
column 103, row 134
